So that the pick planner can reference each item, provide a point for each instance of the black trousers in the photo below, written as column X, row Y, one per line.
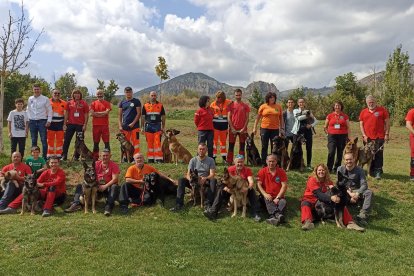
column 71, row 129
column 207, row 137
column 336, row 144
column 378, row 162
column 183, row 182
column 21, row 141
column 307, row 133
column 111, row 194
column 267, row 135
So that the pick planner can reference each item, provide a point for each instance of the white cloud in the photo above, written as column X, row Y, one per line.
column 291, row 43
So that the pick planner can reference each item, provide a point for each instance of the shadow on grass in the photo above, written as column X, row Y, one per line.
column 396, row 177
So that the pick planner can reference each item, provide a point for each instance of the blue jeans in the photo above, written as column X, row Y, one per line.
column 35, row 127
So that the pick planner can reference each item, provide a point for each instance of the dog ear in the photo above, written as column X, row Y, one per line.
column 356, row 140
column 252, row 135
column 196, row 171
column 35, row 175
column 176, row 132
column 93, row 163
column 85, row 166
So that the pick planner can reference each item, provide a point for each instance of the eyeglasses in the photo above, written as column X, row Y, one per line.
column 99, row 95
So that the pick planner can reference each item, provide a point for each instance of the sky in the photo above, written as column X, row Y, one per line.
column 289, row 43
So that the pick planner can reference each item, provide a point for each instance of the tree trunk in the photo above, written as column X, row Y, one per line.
column 1, row 112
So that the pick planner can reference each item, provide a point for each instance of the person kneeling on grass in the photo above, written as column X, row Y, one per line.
column 133, row 189
column 317, row 190
column 272, row 184
column 107, row 174
column 52, row 189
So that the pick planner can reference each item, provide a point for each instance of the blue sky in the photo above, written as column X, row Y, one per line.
column 289, row 43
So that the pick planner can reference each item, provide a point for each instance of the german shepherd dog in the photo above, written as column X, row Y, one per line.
column 8, row 177
column 81, row 148
column 279, row 149
column 341, row 190
column 30, row 193
column 127, row 149
column 196, row 188
column 352, row 147
column 296, row 154
column 238, row 189
column 165, row 148
column 179, row 152
column 89, row 186
column 253, row 156
column 367, row 153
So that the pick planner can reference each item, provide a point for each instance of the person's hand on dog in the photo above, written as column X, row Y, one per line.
column 308, row 126
column 335, row 199
column 102, row 188
column 226, row 189
column 40, row 185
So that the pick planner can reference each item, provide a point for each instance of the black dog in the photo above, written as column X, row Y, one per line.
column 253, row 156
column 341, row 190
column 296, row 154
column 157, row 187
column 279, row 149
column 30, row 193
column 81, row 149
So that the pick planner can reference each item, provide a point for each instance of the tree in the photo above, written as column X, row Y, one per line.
column 109, row 91
column 256, row 99
column 15, row 52
column 397, row 85
column 66, row 83
column 162, row 71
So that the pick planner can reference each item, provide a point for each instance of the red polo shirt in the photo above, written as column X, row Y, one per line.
column 337, row 123
column 106, row 172
column 76, row 112
column 244, row 173
column 374, row 122
column 22, row 169
column 272, row 183
column 100, row 106
column 312, row 185
column 410, row 118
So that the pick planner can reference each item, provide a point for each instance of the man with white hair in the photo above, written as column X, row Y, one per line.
column 374, row 122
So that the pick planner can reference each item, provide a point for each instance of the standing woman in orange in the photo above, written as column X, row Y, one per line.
column 220, row 124
column 271, row 116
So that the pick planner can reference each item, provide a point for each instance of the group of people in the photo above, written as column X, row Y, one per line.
column 59, row 120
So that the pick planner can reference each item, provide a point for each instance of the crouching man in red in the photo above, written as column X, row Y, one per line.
column 317, row 190
column 52, row 189
column 272, row 184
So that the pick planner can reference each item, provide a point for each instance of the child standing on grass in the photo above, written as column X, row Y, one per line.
column 36, row 162
column 18, row 126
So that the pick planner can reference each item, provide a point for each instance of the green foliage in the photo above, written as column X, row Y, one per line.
column 162, row 71
column 179, row 114
column 296, row 94
column 398, row 91
column 20, row 86
column 66, row 84
column 256, row 99
column 109, row 91
column 188, row 93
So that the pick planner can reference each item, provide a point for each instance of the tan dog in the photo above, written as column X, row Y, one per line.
column 9, row 176
column 238, row 189
column 366, row 154
column 196, row 187
column 352, row 147
column 178, row 151
column 165, row 148
column 89, row 186
column 127, row 150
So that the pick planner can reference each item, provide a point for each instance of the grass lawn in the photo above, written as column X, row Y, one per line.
column 153, row 241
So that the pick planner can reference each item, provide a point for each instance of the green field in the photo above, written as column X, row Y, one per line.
column 154, row 241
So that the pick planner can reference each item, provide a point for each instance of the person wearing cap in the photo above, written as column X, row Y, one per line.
column 99, row 111
column 129, row 114
column 55, row 132
column 220, row 124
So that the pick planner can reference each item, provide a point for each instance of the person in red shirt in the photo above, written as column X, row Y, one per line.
column 99, row 111
column 238, row 117
column 107, row 175
column 409, row 123
column 272, row 184
column 76, row 120
column 338, row 131
column 11, row 191
column 317, row 188
column 52, row 187
column 203, row 119
column 374, row 122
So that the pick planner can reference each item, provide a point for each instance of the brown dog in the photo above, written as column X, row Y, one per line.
column 366, row 154
column 89, row 186
column 165, row 147
column 238, row 189
column 178, row 151
column 9, row 176
column 127, row 150
column 196, row 188
column 81, row 148
column 30, row 194
column 352, row 147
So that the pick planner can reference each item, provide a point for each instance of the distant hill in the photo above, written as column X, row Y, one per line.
column 204, row 85
column 324, row 91
column 378, row 78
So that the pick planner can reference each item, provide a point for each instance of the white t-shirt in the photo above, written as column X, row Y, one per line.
column 18, row 121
